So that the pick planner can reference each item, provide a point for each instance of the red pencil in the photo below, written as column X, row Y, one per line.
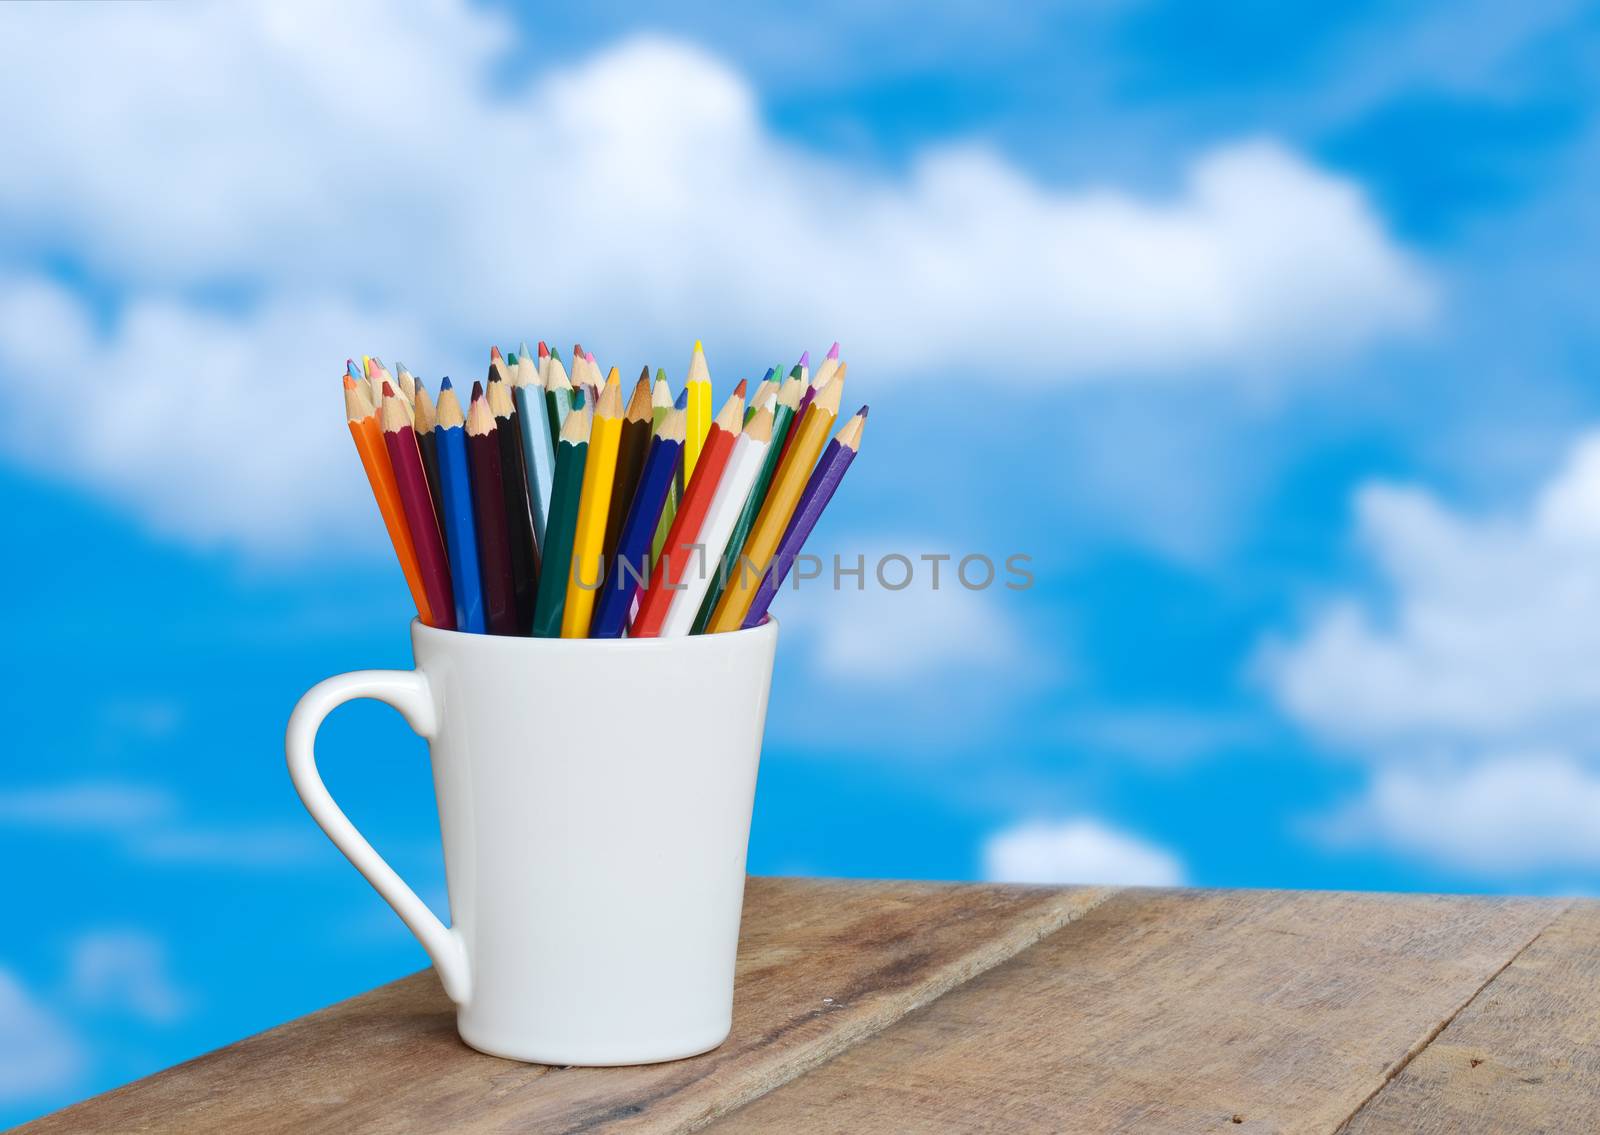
column 682, row 550
column 417, row 502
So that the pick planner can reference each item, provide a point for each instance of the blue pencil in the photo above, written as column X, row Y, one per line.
column 630, row 567
column 538, row 454
column 460, row 531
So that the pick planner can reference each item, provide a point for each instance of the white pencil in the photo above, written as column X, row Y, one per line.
column 726, row 504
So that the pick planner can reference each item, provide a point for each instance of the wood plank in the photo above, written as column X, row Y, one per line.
column 1524, row 1056
column 1173, row 1011
column 821, row 965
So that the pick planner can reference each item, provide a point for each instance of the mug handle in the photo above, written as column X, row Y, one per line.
column 408, row 692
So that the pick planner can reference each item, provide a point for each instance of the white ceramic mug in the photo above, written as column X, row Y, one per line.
column 594, row 799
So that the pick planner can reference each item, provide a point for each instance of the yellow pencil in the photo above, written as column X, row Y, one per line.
column 589, row 537
column 787, row 486
column 698, row 411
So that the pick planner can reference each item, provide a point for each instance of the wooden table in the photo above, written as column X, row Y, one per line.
column 902, row 1007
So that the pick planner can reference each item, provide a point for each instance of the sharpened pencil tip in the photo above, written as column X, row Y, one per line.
column 494, row 353
column 477, row 390
column 388, row 391
column 681, row 402
column 644, row 375
column 544, row 351
column 739, row 391
column 522, row 349
column 444, row 383
column 833, row 351
column 862, row 412
column 698, row 347
column 805, row 358
column 349, row 383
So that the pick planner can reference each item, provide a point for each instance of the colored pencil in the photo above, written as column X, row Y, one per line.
column 782, row 423
column 819, row 491
column 377, row 375
column 802, row 369
column 566, row 493
column 558, row 397
column 631, row 448
column 497, row 367
column 749, row 454
column 588, row 538
column 760, row 396
column 423, row 420
column 412, row 484
column 794, row 470
column 367, row 433
column 683, row 547
column 660, row 401
column 407, row 383
column 807, row 397
column 538, row 453
column 489, row 491
column 828, row 369
column 519, row 525
column 455, row 510
column 629, row 569
column 698, row 424
column 670, row 509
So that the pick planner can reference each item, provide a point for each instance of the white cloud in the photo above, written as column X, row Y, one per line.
column 1472, row 680
column 38, row 1052
column 239, row 846
column 124, row 971
column 1077, row 851
column 147, row 822
column 1160, row 734
column 1485, row 632
column 634, row 198
column 1499, row 816
column 95, row 805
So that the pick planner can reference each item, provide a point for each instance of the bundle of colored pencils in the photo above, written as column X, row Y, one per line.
column 551, row 506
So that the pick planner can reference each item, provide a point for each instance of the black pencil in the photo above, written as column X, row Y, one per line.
column 519, row 522
column 634, row 443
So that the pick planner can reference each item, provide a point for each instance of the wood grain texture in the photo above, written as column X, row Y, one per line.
column 821, row 966
column 1524, row 1056
column 1173, row 1011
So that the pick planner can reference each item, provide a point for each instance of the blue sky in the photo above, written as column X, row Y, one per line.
column 1266, row 333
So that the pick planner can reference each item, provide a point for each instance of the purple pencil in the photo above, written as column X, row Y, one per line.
column 819, row 491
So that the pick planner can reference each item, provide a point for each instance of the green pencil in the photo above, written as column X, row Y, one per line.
column 788, row 398
column 660, row 401
column 558, row 397
column 571, row 454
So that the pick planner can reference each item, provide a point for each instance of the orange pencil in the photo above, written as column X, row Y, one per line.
column 368, row 435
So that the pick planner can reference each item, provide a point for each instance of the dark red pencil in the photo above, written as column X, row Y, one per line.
column 416, row 500
column 489, row 513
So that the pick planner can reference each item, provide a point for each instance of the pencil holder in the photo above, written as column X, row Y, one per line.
column 594, row 800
